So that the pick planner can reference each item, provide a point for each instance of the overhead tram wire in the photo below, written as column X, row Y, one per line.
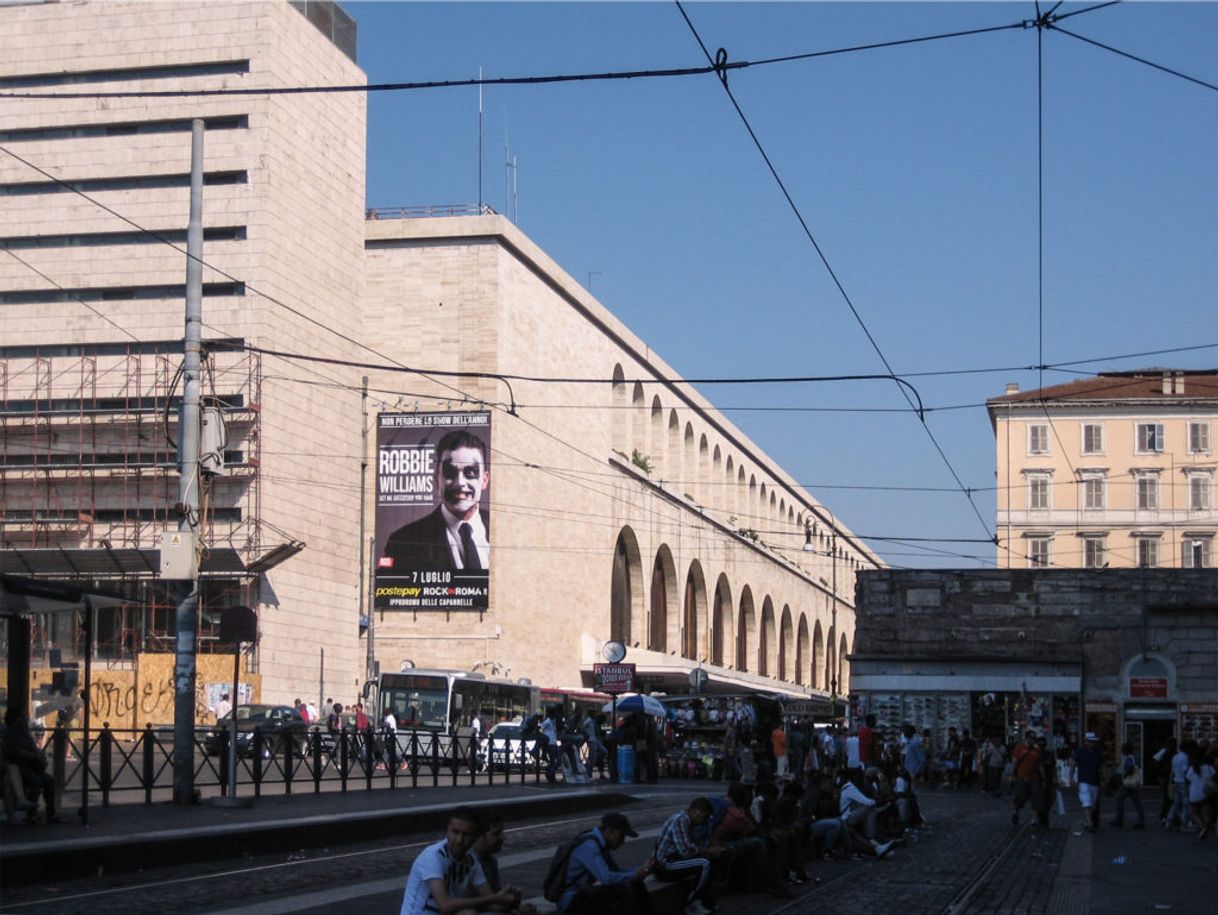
column 722, row 74
column 1134, row 57
column 608, row 76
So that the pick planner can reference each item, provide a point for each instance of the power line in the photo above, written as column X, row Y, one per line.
column 1136, row 58
column 722, row 56
column 604, row 76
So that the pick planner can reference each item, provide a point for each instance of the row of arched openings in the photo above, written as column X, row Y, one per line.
column 736, row 630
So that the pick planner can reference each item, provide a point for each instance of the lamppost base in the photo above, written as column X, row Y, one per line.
column 231, row 802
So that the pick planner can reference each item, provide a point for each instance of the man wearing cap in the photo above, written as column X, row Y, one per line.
column 1087, row 763
column 595, row 884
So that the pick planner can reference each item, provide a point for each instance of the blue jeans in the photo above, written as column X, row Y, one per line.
column 1133, row 795
column 1179, row 805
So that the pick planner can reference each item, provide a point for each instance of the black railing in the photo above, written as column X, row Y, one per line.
column 133, row 764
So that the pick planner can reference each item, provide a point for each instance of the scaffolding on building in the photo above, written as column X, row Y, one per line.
column 89, row 482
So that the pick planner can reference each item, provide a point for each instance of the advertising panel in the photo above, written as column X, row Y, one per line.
column 432, row 511
column 613, row 678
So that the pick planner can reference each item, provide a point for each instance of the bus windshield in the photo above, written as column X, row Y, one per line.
column 416, row 700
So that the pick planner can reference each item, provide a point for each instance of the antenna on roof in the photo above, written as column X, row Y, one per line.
column 479, row 140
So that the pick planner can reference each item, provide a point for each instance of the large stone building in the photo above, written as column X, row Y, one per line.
column 1111, row 471
column 1127, row 653
column 627, row 508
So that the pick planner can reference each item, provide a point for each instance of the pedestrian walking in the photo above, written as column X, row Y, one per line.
column 1025, row 759
column 1130, row 789
column 1087, row 765
column 1177, row 814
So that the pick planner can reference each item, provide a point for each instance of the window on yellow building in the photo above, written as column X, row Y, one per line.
column 1199, row 438
column 1093, row 438
column 1038, row 438
column 1148, row 552
column 1200, row 492
column 1095, row 551
column 1150, row 438
column 1148, row 492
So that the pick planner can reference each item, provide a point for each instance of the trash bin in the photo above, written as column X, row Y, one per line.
column 625, row 765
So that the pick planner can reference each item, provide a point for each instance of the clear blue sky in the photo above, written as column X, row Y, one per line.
column 915, row 168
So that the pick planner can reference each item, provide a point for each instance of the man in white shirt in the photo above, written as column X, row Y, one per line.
column 223, row 707
column 1178, row 814
column 448, row 878
column 853, row 760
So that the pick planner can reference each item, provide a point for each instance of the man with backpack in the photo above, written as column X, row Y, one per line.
column 583, row 877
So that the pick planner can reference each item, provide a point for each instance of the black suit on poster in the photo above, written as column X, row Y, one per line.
column 423, row 544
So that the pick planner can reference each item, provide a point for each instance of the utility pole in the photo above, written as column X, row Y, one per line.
column 187, row 616
column 364, row 607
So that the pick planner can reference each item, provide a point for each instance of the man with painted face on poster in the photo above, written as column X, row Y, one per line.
column 456, row 535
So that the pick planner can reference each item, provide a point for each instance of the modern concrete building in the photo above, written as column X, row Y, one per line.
column 626, row 507
column 92, row 302
column 1127, row 653
column 1107, row 472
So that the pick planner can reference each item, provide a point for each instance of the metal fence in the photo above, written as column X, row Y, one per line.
column 121, row 763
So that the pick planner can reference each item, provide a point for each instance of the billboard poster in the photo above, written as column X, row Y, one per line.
column 432, row 511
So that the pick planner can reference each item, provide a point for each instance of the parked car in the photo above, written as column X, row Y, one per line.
column 281, row 726
column 501, row 745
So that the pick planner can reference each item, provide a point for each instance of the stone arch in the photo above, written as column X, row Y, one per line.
column 843, row 668
column 621, row 410
column 704, row 471
column 638, row 415
column 673, row 470
column 663, row 597
column 786, row 645
column 655, row 448
column 716, row 493
column 767, row 641
column 820, row 679
column 626, row 590
column 801, row 651
column 723, row 632
column 689, row 460
column 750, row 513
column 693, row 614
column 773, row 512
column 746, row 623
column 729, row 488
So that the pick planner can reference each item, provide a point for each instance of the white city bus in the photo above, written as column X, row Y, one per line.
column 434, row 707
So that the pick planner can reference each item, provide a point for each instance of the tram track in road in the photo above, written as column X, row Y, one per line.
column 960, row 902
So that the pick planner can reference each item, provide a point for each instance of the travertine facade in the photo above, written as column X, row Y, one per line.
column 627, row 508
column 1111, row 471
column 699, row 559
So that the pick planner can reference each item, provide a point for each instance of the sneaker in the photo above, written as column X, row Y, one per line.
column 799, row 879
column 883, row 849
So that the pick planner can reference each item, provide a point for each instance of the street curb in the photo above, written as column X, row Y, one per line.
column 37, row 862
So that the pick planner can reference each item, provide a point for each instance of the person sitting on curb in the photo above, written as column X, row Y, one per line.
column 19, row 749
column 858, row 814
column 486, row 849
column 739, row 835
column 447, row 878
column 595, row 885
column 678, row 859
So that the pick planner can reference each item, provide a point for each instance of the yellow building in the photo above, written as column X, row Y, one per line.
column 1111, row 471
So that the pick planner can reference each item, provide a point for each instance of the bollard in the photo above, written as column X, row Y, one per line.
column 257, row 748
column 473, row 758
column 342, row 759
column 435, row 760
column 391, row 758
column 369, row 761
column 59, row 756
column 414, row 759
column 223, row 757
column 149, row 761
column 291, row 749
column 106, row 764
column 316, row 761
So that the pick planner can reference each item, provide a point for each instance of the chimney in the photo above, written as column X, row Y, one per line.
column 1167, row 382
column 1012, row 387
column 1179, row 382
